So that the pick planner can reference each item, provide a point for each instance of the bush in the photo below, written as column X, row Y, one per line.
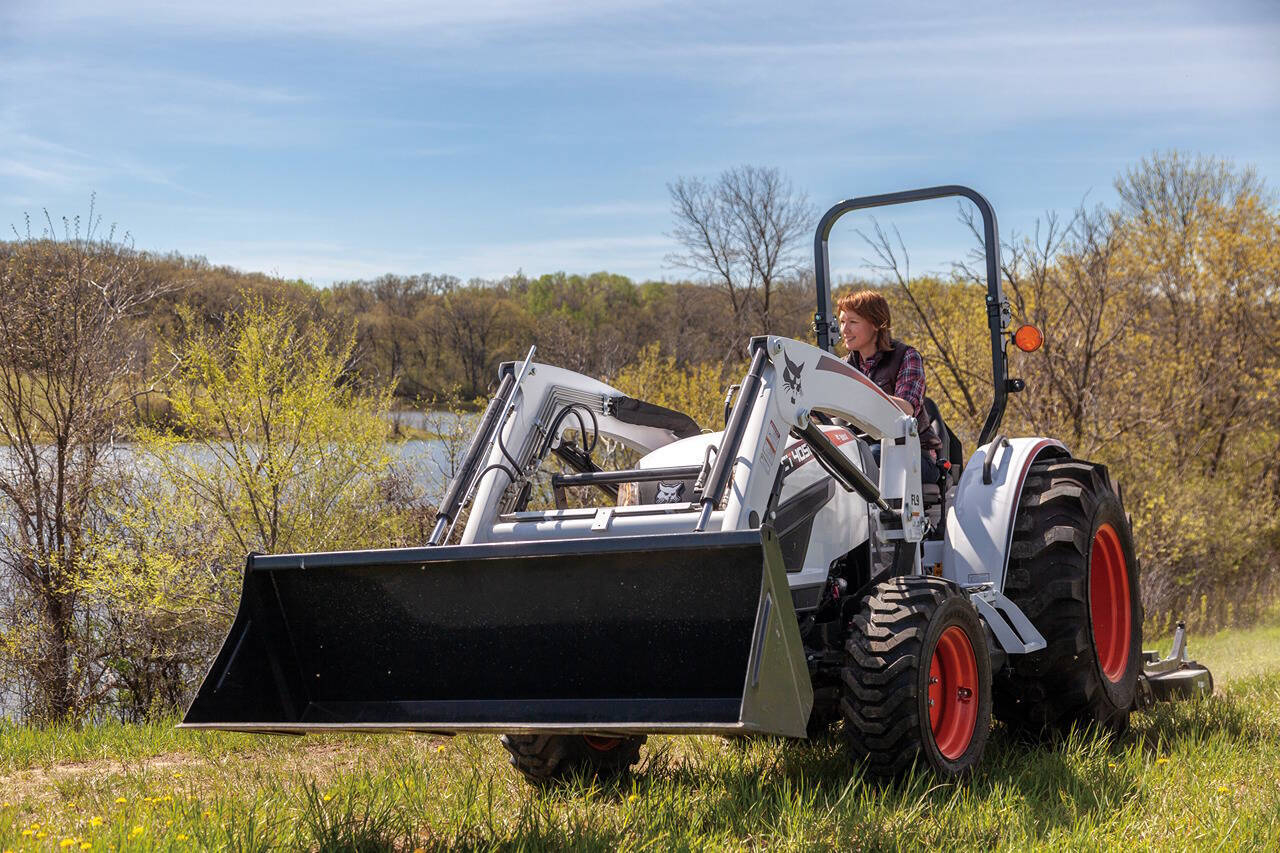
column 274, row 447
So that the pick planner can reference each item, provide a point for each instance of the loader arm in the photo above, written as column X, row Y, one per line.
column 796, row 382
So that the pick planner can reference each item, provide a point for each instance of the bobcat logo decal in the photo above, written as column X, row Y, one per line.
column 669, row 493
column 791, row 377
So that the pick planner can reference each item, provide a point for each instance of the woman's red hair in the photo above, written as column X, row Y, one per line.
column 872, row 307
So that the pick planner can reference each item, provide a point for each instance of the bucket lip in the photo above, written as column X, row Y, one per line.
column 585, row 727
column 420, row 556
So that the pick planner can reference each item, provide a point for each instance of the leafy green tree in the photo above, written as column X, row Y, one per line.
column 274, row 446
column 274, row 436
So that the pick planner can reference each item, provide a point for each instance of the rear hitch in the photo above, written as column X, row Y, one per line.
column 1173, row 677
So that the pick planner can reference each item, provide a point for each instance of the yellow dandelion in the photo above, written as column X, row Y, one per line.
column 1111, row 764
column 328, row 797
column 136, row 831
column 121, row 801
column 440, row 748
column 206, row 814
column 35, row 826
column 1162, row 761
column 181, row 837
column 633, row 798
column 86, row 846
column 66, row 842
column 1223, row 789
column 27, row 833
column 95, row 821
column 42, row 835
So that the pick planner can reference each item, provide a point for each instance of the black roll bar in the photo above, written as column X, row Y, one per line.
column 997, row 307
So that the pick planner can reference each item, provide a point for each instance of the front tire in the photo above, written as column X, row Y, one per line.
column 1073, row 572
column 917, row 680
column 548, row 759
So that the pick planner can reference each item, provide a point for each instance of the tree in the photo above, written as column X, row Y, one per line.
column 744, row 234
column 273, row 446
column 70, row 348
column 478, row 323
column 274, row 436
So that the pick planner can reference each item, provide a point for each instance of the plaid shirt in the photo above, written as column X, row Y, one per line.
column 910, row 382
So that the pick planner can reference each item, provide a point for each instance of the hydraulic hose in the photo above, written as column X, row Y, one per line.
column 457, row 491
column 718, row 480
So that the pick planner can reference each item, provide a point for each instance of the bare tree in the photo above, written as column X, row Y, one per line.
column 69, row 355
column 960, row 383
column 475, row 325
column 744, row 233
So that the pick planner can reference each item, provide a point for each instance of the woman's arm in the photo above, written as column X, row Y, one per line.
column 909, row 386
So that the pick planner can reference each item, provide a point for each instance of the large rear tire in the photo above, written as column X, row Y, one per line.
column 547, row 759
column 917, row 680
column 1073, row 572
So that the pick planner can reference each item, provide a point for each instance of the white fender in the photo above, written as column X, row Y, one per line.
column 979, row 523
column 980, row 516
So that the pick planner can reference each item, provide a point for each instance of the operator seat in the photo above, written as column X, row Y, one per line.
column 950, row 462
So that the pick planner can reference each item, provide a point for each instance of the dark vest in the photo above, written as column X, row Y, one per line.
column 885, row 375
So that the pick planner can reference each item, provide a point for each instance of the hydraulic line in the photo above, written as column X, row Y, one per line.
column 718, row 481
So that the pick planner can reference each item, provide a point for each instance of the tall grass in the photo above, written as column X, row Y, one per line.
column 1203, row 775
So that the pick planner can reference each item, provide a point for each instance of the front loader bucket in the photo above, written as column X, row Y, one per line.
column 689, row 632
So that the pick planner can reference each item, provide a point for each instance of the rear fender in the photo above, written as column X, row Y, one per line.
column 980, row 517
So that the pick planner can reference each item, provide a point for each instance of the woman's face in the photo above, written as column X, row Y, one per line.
column 857, row 331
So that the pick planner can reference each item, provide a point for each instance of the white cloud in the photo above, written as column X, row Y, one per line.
column 327, row 18
column 635, row 256
column 322, row 262
column 608, row 209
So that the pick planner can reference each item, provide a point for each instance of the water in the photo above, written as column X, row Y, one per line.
column 427, row 462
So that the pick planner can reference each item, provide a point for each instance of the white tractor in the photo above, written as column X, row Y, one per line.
column 768, row 578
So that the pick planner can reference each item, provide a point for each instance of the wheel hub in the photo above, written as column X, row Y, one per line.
column 1109, row 607
column 953, row 684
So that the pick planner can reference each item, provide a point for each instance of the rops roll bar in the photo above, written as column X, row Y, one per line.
column 998, row 313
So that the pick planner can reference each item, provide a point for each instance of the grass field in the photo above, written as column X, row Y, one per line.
column 1190, row 776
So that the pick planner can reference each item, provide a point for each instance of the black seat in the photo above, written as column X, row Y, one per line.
column 950, row 462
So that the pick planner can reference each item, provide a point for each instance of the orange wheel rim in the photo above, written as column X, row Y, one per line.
column 1109, row 606
column 602, row 744
column 953, row 693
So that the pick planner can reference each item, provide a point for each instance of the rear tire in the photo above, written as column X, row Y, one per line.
column 1072, row 571
column 917, row 679
column 547, row 759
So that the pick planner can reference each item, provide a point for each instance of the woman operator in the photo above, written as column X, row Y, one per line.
column 895, row 367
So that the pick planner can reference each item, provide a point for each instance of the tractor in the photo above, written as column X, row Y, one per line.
column 768, row 578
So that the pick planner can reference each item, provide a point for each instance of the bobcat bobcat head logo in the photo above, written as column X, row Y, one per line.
column 669, row 493
column 791, row 377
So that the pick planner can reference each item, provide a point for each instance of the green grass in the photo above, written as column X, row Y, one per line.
column 1202, row 775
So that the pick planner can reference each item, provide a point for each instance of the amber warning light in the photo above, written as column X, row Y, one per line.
column 1028, row 338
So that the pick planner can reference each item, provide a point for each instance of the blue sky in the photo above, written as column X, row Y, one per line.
column 331, row 140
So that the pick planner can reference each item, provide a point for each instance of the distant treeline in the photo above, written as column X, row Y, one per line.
column 436, row 337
